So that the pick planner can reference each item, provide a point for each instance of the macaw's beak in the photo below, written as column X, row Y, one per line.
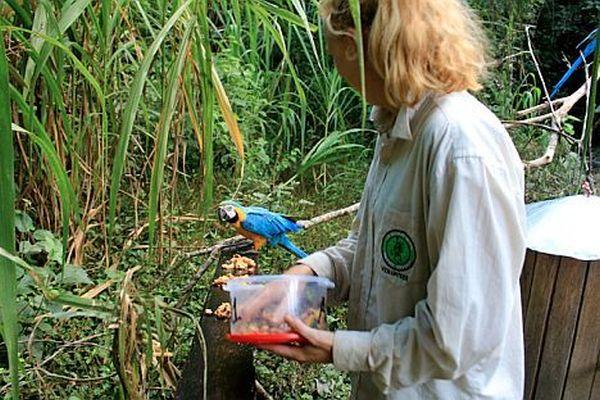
column 227, row 214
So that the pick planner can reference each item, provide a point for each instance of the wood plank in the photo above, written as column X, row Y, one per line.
column 595, row 394
column 527, row 279
column 560, row 331
column 542, row 285
column 586, row 351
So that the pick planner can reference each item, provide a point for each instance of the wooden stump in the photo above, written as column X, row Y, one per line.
column 230, row 374
column 561, row 297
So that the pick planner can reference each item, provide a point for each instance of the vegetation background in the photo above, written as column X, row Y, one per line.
column 131, row 119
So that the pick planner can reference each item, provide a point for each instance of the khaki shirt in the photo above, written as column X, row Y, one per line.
column 431, row 266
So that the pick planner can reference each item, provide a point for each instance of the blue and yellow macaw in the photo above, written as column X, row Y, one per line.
column 590, row 43
column 261, row 226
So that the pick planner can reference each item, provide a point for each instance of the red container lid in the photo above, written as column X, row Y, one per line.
column 266, row 338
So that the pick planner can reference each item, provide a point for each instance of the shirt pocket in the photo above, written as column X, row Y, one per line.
column 396, row 248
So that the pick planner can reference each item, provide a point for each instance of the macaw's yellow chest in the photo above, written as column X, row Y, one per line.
column 258, row 240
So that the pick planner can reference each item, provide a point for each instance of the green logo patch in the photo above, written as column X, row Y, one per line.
column 398, row 250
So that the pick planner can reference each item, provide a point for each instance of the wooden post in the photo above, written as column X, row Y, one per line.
column 230, row 374
column 560, row 298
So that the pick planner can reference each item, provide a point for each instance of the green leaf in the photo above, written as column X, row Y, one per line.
column 69, row 14
column 54, row 295
column 23, row 222
column 8, row 271
column 21, row 12
column 28, row 249
column 287, row 15
column 50, row 244
column 275, row 30
column 74, row 276
column 329, row 149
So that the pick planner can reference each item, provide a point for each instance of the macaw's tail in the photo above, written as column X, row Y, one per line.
column 292, row 248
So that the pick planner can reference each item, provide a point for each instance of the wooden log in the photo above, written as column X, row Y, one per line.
column 537, row 313
column 584, row 367
column 560, row 332
column 230, row 374
column 595, row 394
column 562, row 327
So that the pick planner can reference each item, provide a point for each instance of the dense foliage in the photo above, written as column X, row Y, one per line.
column 132, row 118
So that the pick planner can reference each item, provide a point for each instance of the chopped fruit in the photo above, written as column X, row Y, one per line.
column 265, row 322
column 222, row 280
column 238, row 262
column 223, row 311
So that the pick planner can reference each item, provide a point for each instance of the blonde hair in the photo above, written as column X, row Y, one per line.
column 417, row 45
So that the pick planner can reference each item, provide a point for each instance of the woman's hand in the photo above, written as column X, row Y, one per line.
column 319, row 349
column 300, row 269
column 274, row 296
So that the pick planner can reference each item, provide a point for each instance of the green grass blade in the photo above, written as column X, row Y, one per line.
column 591, row 108
column 8, row 271
column 70, row 12
column 275, row 30
column 81, row 68
column 68, row 199
column 23, row 15
column 162, row 138
column 130, row 112
column 275, row 10
column 309, row 30
column 42, row 139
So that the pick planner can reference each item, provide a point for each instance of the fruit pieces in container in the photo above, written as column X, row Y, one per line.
column 260, row 303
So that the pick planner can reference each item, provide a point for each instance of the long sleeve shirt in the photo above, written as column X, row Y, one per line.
column 431, row 266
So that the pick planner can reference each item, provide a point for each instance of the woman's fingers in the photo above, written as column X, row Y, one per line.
column 301, row 328
column 303, row 354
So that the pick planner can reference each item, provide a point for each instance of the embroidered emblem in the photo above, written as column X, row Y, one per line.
column 398, row 251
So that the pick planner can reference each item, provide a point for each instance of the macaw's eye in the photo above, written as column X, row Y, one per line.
column 223, row 214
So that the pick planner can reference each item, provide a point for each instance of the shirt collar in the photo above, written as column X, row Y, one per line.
column 396, row 126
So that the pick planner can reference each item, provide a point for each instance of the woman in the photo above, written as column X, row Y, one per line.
column 431, row 267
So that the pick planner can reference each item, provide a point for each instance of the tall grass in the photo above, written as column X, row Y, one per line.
column 8, row 273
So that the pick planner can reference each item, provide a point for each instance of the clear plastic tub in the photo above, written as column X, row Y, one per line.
column 260, row 303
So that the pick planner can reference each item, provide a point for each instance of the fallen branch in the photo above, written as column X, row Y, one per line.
column 548, row 154
column 307, row 224
column 556, row 120
column 567, row 104
column 214, row 256
column 329, row 216
column 557, row 116
column 540, row 107
column 567, row 137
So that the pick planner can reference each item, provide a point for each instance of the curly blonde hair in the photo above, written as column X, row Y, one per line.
column 417, row 45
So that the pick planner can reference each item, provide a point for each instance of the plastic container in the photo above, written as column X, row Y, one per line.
column 260, row 303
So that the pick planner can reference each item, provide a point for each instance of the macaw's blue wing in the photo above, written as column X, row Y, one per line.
column 591, row 41
column 269, row 225
column 273, row 227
